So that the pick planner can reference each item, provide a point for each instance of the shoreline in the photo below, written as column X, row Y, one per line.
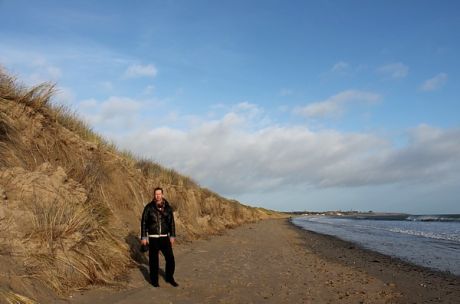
column 417, row 284
column 274, row 261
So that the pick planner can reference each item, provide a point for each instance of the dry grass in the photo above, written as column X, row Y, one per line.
column 72, row 121
column 70, row 246
column 37, row 97
column 164, row 176
column 14, row 298
column 59, row 221
column 8, row 133
column 6, row 136
column 71, row 243
column 6, row 128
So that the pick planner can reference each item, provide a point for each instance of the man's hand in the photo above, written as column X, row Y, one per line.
column 172, row 240
column 144, row 242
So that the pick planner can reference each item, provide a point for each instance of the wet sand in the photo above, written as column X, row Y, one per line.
column 272, row 261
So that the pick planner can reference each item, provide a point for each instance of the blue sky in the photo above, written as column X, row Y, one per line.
column 290, row 105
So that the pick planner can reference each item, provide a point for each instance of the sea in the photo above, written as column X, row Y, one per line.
column 431, row 241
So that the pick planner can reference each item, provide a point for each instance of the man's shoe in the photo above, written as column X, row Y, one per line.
column 172, row 282
column 155, row 284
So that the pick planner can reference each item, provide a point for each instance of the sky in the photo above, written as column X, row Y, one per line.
column 287, row 105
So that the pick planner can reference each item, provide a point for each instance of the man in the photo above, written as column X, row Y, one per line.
column 158, row 231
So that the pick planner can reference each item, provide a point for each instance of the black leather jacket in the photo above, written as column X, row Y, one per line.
column 156, row 222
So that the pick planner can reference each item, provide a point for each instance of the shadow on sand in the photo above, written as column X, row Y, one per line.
column 141, row 258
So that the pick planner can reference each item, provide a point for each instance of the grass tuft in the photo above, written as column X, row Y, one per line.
column 11, row 297
column 164, row 176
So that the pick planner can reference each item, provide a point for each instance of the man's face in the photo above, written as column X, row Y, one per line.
column 158, row 196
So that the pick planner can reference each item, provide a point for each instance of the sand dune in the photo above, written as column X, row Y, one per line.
column 70, row 201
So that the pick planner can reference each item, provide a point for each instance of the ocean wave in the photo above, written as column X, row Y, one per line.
column 397, row 217
column 435, row 245
column 431, row 235
column 412, row 227
column 434, row 218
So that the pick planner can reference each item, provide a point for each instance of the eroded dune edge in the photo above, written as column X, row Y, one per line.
column 70, row 201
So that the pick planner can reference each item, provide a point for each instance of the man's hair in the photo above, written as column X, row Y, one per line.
column 158, row 188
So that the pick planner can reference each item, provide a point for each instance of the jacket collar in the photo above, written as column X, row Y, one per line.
column 165, row 202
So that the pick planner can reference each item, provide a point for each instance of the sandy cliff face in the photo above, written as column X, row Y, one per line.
column 70, row 203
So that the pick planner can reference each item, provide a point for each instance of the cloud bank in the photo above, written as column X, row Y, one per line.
column 236, row 153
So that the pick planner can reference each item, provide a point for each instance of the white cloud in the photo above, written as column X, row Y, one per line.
column 321, row 109
column 431, row 155
column 138, row 70
column 115, row 113
column 32, row 68
column 434, row 83
column 334, row 105
column 394, row 70
column 340, row 66
column 232, row 156
column 119, row 106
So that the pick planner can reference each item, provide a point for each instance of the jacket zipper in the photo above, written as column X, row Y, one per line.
column 159, row 221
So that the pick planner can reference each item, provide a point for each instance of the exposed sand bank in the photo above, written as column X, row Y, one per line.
column 70, row 201
column 274, row 262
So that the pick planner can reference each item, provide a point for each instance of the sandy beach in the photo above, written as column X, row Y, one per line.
column 272, row 261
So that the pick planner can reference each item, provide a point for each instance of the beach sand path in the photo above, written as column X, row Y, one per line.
column 265, row 262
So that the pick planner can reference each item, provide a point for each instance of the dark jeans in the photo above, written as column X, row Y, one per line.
column 164, row 245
